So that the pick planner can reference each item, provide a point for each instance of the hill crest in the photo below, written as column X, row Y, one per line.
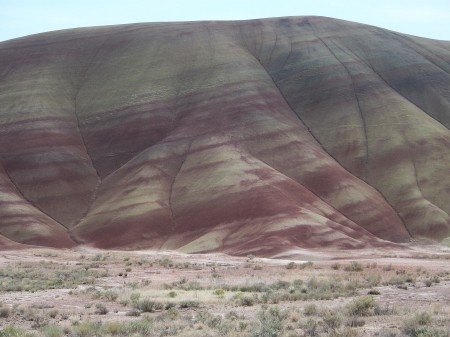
column 258, row 136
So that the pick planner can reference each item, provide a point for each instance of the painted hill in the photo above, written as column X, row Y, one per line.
column 262, row 137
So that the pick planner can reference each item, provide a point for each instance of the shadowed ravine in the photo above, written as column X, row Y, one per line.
column 260, row 137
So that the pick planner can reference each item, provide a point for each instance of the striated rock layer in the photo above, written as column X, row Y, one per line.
column 264, row 137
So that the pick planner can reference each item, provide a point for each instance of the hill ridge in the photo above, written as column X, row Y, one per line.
column 257, row 136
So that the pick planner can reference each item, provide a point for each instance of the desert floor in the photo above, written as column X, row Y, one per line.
column 88, row 292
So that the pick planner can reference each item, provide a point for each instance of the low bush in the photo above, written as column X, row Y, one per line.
column 335, row 266
column 247, row 301
column 388, row 267
column 100, row 309
column 219, row 292
column 331, row 321
column 53, row 313
column 52, row 331
column 291, row 265
column 12, row 331
column 212, row 321
column 270, row 321
column 189, row 304
column 418, row 326
column 46, row 276
column 113, row 328
column 428, row 283
column 362, row 306
column 346, row 332
column 305, row 265
column 109, row 295
column 85, row 329
column 373, row 279
column 4, row 312
column 354, row 321
column 144, row 327
column 373, row 292
column 310, row 310
column 146, row 305
column 353, row 266
column 133, row 312
column 311, row 327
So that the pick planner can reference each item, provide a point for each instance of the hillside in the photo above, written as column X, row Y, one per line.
column 256, row 137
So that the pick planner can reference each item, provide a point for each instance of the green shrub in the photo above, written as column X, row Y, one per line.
column 165, row 262
column 331, row 321
column 109, row 295
column 12, row 331
column 417, row 326
column 143, row 327
column 247, row 301
column 410, row 279
column 52, row 331
column 256, row 287
column 353, row 266
column 425, row 331
column 310, row 309
column 291, row 265
column 134, row 297
column 386, row 310
column 113, row 328
column 373, row 279
column 189, row 304
column 46, row 276
column 305, row 265
column 99, row 257
column 219, row 292
column 4, row 312
column 270, row 323
column 212, row 321
column 362, row 306
column 192, row 285
column 346, row 332
column 100, row 309
column 396, row 280
column 53, row 313
column 387, row 267
column 335, row 266
column 311, row 327
column 172, row 313
column 446, row 242
column 355, row 322
column 423, row 318
column 133, row 312
column 85, row 329
column 374, row 292
column 169, row 305
column 146, row 305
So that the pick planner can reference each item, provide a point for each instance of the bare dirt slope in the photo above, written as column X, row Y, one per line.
column 261, row 137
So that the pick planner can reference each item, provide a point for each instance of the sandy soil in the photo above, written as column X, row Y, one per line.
column 149, row 273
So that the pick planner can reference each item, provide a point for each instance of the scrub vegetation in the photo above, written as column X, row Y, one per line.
column 156, row 294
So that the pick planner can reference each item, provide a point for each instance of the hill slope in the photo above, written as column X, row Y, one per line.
column 260, row 136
